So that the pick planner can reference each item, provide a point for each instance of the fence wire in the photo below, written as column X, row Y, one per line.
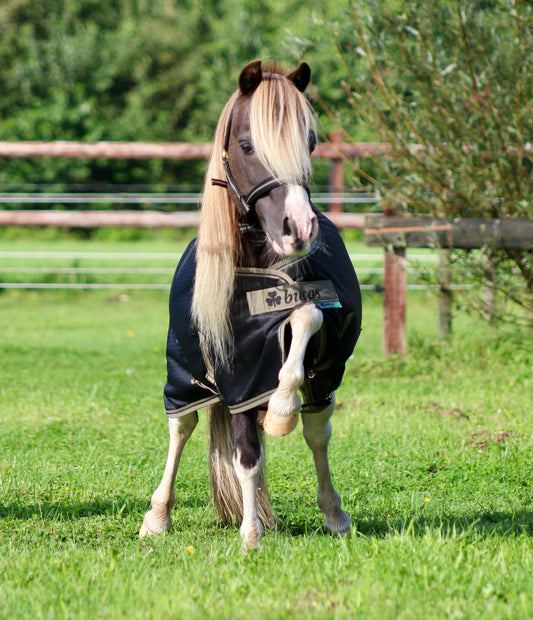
column 48, row 276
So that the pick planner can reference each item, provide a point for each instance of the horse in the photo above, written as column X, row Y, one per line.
column 265, row 309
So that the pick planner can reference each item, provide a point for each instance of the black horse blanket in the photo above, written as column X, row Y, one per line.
column 263, row 301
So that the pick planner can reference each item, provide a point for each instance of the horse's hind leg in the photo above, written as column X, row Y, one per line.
column 284, row 404
column 317, row 433
column 158, row 519
column 248, row 463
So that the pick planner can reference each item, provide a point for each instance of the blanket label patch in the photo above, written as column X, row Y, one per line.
column 288, row 296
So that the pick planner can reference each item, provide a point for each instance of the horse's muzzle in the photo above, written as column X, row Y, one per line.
column 299, row 225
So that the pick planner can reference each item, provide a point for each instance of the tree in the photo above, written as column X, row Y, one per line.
column 448, row 84
column 139, row 70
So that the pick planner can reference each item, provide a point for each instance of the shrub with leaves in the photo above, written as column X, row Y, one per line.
column 448, row 84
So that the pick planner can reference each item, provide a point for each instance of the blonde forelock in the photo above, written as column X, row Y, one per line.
column 280, row 122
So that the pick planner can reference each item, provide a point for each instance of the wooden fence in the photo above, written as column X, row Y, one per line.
column 335, row 150
column 394, row 234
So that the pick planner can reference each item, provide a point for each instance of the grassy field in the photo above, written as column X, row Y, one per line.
column 432, row 454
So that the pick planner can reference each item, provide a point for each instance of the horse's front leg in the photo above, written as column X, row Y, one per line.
column 248, row 463
column 158, row 519
column 284, row 404
column 317, row 433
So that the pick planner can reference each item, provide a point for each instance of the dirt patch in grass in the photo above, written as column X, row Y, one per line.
column 447, row 412
column 481, row 440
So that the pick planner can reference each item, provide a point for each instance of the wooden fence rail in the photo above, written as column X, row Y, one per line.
column 464, row 234
column 135, row 219
column 168, row 150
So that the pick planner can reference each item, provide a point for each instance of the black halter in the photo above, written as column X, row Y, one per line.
column 258, row 191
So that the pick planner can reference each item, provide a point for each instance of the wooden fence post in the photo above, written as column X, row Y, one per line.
column 444, row 277
column 489, row 299
column 394, row 301
column 336, row 175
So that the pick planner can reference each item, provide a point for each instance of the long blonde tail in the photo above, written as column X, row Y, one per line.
column 225, row 486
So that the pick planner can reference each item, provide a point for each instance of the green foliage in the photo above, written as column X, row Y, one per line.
column 448, row 85
column 152, row 70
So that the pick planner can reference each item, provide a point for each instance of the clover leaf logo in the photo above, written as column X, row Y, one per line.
column 273, row 299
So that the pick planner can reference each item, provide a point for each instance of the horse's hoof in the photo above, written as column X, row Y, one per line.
column 339, row 524
column 149, row 527
column 251, row 534
column 246, row 548
column 279, row 426
column 281, row 417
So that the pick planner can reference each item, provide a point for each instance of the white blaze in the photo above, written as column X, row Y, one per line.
column 298, row 209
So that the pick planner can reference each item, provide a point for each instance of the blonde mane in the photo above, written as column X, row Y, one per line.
column 280, row 122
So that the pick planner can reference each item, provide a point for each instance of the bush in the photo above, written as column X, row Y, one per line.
column 448, row 86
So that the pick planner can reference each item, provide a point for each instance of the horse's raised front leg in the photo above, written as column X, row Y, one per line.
column 158, row 519
column 284, row 404
column 248, row 463
column 317, row 433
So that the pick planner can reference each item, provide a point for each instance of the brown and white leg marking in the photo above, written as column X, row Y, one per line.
column 317, row 433
column 285, row 403
column 248, row 463
column 158, row 520
column 251, row 526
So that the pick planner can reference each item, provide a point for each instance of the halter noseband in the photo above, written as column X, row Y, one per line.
column 258, row 191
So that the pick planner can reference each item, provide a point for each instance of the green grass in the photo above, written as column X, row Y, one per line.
column 431, row 453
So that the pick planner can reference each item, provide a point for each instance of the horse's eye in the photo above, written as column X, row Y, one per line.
column 312, row 141
column 247, row 148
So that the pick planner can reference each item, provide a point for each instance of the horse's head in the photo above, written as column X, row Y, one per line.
column 268, row 141
column 262, row 155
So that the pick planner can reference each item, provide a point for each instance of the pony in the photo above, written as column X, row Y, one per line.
column 265, row 309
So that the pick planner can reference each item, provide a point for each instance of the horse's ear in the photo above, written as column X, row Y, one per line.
column 250, row 77
column 300, row 78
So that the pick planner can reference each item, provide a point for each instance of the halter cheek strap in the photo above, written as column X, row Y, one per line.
column 262, row 188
